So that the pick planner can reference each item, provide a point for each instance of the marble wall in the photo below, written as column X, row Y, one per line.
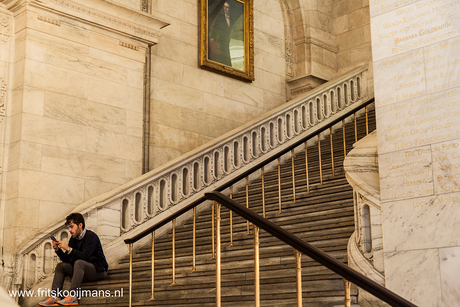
column 76, row 109
column 417, row 89
column 191, row 106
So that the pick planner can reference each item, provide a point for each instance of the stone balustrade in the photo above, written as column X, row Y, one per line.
column 139, row 204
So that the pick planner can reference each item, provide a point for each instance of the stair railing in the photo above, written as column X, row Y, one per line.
column 300, row 246
column 348, row 274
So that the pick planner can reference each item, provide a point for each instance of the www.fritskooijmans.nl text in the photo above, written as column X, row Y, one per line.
column 79, row 293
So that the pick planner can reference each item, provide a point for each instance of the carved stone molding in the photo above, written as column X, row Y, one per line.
column 5, row 30
column 2, row 98
column 49, row 20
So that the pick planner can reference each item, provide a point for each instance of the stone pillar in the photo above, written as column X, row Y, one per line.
column 415, row 47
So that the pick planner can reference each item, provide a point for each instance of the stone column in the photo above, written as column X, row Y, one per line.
column 417, row 89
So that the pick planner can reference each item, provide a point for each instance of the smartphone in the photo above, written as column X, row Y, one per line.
column 53, row 238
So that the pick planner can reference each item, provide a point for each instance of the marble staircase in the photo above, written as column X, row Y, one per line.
column 323, row 217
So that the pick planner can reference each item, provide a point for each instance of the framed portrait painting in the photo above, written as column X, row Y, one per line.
column 227, row 38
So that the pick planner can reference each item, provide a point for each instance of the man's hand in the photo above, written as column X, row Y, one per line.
column 63, row 245
column 55, row 245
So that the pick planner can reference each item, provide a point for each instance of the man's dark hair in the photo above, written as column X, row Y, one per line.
column 76, row 218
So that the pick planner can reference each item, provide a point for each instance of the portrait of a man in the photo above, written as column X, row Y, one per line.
column 224, row 31
column 227, row 38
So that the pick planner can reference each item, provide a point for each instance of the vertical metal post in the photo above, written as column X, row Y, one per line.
column 130, row 274
column 367, row 122
column 347, row 287
column 319, row 156
column 218, row 258
column 256, row 266
column 298, row 266
column 152, row 297
column 293, row 176
column 247, row 202
column 332, row 151
column 356, row 130
column 194, row 241
column 344, row 142
column 279, row 185
column 212, row 226
column 263, row 192
column 306, row 167
column 231, row 218
column 173, row 252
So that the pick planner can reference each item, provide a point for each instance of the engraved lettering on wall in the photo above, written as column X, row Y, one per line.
column 4, row 30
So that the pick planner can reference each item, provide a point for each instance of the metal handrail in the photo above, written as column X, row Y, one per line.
column 256, row 166
column 316, row 254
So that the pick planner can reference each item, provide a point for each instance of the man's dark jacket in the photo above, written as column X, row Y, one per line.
column 89, row 249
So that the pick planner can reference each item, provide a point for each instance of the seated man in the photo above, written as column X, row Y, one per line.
column 82, row 259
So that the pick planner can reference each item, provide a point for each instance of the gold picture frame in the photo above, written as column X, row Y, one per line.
column 227, row 38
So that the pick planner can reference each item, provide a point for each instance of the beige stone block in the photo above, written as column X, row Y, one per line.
column 177, row 51
column 112, row 45
column 341, row 24
column 12, row 184
column 203, row 80
column 85, row 113
column 325, row 6
column 270, row 63
column 321, row 21
column 270, row 8
column 189, row 33
column 326, row 38
column 178, row 139
column 18, row 74
column 268, row 81
column 19, row 50
column 165, row 69
column 15, row 128
column 115, row 94
column 133, row 170
column 52, row 132
column 30, row 156
column 51, row 187
column 80, row 63
column 116, row 59
column 359, row 18
column 160, row 156
column 340, row 8
column 17, row 97
column 20, row 212
column 83, row 165
column 242, row 92
column 230, row 109
column 269, row 43
column 267, row 24
column 350, row 39
column 361, row 55
column 317, row 54
column 50, row 212
column 272, row 100
column 166, row 114
column 55, row 79
column 181, row 10
column 14, row 150
column 95, row 188
column 36, row 51
column 114, row 144
column 18, row 236
column 58, row 43
column 178, row 95
column 134, row 123
column 343, row 59
column 34, row 101
column 136, row 78
column 330, row 59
